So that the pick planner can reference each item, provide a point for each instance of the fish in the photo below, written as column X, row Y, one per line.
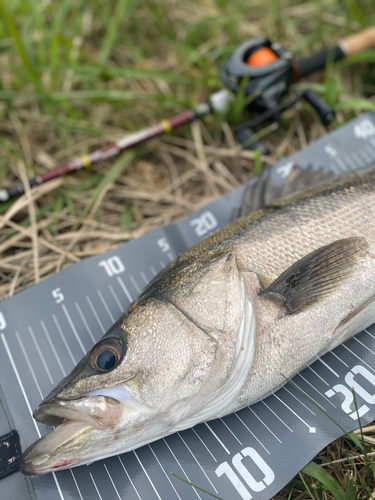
column 222, row 327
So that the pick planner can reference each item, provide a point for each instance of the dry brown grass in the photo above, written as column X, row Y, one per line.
column 176, row 178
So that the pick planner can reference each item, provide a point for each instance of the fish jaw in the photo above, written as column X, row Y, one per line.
column 78, row 421
column 92, row 429
column 46, row 454
column 98, row 411
column 77, row 442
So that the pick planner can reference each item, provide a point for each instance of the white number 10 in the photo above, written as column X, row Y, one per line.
column 252, row 483
column 3, row 323
column 113, row 265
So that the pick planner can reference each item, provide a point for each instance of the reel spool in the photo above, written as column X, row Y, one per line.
column 265, row 67
column 265, row 70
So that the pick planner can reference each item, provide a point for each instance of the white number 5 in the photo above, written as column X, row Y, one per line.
column 57, row 295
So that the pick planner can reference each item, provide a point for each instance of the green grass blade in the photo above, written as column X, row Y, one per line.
column 328, row 481
column 127, row 218
column 28, row 64
column 57, row 28
column 69, row 203
column 370, row 466
column 355, row 104
column 5, row 205
column 111, row 95
column 21, row 49
column 112, row 30
column 88, row 183
column 305, row 485
column 240, row 102
column 197, row 487
column 89, row 71
column 114, row 172
column 39, row 23
column 356, row 441
column 350, row 490
column 291, row 490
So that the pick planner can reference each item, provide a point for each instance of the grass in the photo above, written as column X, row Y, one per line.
column 77, row 75
column 347, row 478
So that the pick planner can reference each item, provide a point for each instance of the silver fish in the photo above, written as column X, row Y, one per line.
column 221, row 328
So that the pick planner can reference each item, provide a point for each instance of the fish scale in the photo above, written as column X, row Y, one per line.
column 308, row 224
column 300, row 426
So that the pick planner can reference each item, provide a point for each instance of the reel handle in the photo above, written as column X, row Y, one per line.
column 347, row 47
column 309, row 65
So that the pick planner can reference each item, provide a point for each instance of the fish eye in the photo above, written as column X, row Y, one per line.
column 106, row 355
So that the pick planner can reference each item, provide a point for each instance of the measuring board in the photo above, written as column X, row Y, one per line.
column 46, row 329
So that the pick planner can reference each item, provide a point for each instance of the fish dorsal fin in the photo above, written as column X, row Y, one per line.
column 316, row 275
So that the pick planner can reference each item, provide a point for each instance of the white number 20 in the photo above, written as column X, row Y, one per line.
column 204, row 223
column 347, row 405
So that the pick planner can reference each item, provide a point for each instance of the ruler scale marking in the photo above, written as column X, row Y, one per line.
column 106, row 306
column 53, row 348
column 316, row 390
column 40, row 354
column 95, row 314
column 84, row 321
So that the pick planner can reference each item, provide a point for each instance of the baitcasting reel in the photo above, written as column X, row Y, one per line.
column 265, row 70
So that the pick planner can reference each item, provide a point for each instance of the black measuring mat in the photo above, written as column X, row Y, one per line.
column 46, row 329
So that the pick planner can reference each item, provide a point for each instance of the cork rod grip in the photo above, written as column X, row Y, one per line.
column 359, row 41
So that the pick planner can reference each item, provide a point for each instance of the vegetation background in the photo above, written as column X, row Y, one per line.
column 76, row 75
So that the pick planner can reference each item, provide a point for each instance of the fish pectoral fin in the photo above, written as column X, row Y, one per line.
column 316, row 275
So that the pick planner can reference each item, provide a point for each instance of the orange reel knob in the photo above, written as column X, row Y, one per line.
column 262, row 57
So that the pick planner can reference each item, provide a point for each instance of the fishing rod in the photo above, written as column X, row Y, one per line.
column 85, row 161
column 257, row 67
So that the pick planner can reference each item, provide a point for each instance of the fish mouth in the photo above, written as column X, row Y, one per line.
column 78, row 422
column 99, row 411
column 43, row 455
